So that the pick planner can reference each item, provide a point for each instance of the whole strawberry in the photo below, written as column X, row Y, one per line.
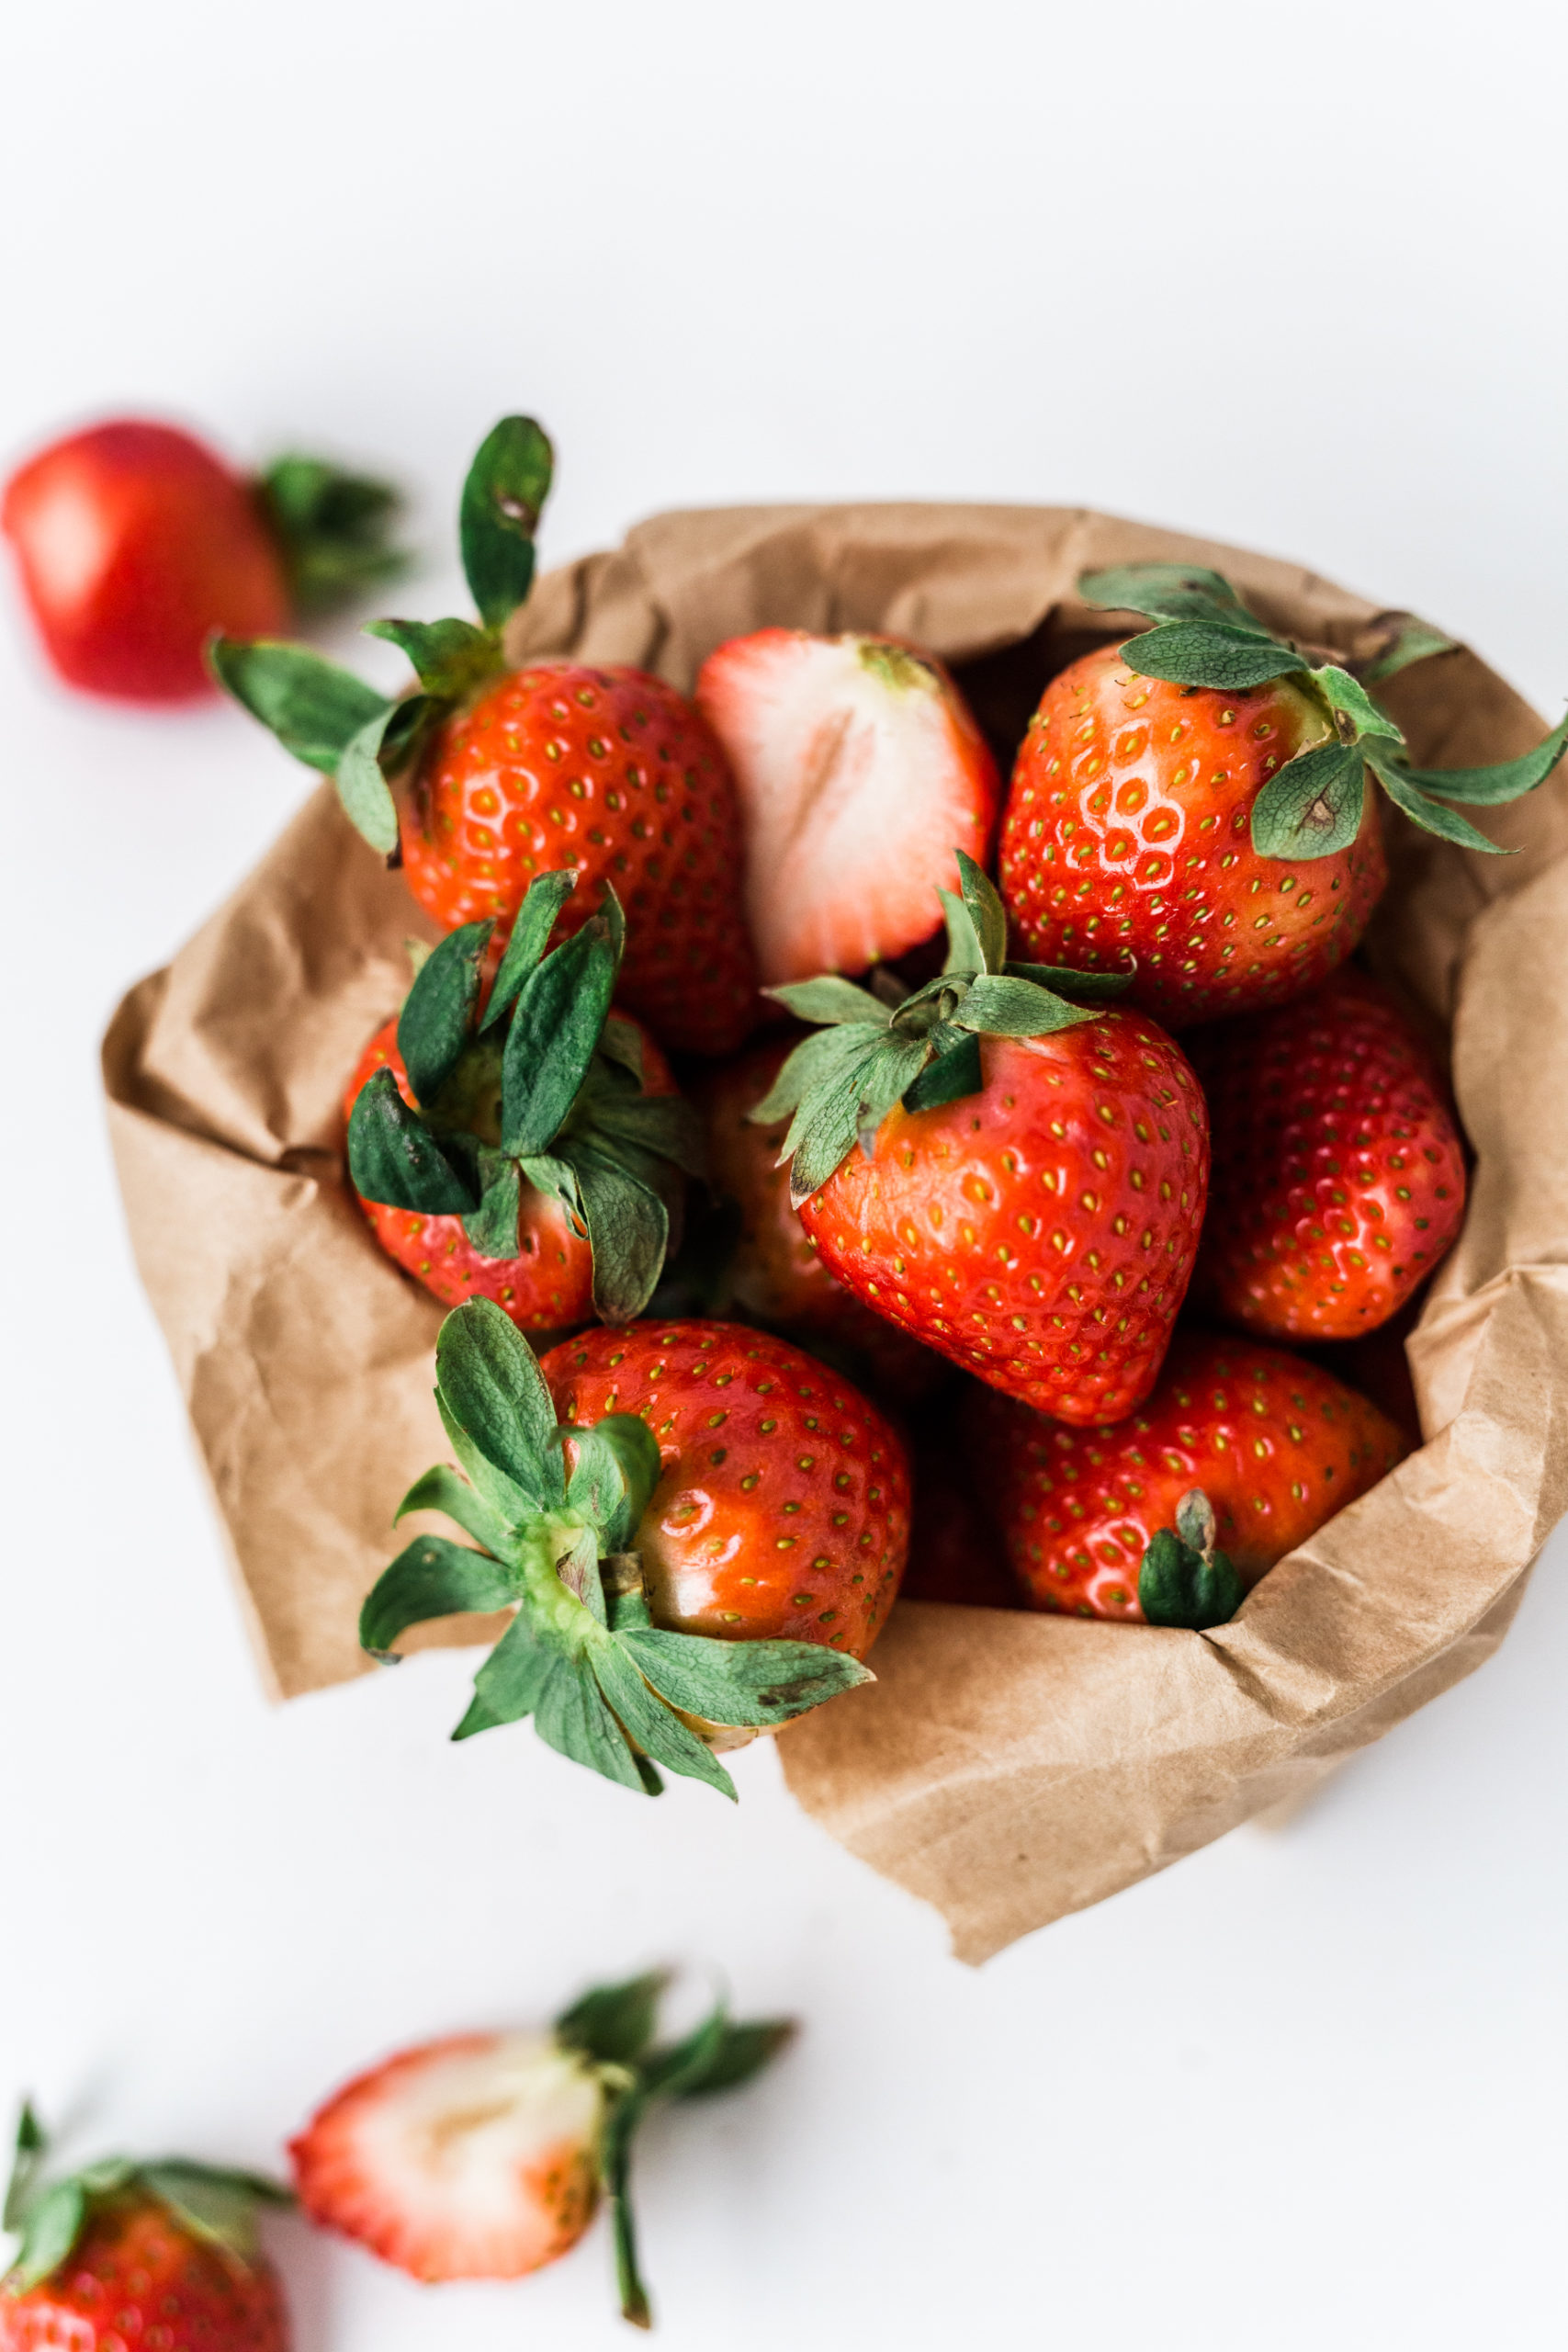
column 775, row 1271
column 135, row 542
column 1193, row 803
column 504, row 775
column 1271, row 1445
column 859, row 767
column 701, row 1530
column 1337, row 1179
column 159, row 2254
column 484, row 2156
column 522, row 1144
column 1014, row 1179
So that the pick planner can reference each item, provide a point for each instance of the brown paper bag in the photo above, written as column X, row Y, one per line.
column 1007, row 1768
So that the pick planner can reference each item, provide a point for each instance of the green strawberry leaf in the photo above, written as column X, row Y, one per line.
column 1062, row 980
column 1430, row 815
column 1202, row 653
column 385, row 742
column 1343, row 693
column 430, row 1579
column 49, row 2232
column 894, row 1068
column 513, row 1679
column 314, row 708
column 489, row 1379
column 1409, row 639
column 665, row 1125
column 1169, row 591
column 832, row 999
column 613, row 1477
column 757, row 1684
column 1488, row 787
column 955, row 1072
column 999, row 1007
column 492, row 1226
column 442, row 1490
column 734, row 2056
column 511, row 1504
column 622, row 1044
column 988, row 917
column 571, row 1715
column 27, row 2161
column 549, row 1174
column 438, row 1018
column 216, row 2205
column 614, row 2023
column 449, row 658
column 628, row 1231
column 1313, row 808
column 536, row 918
column 815, row 1062
column 503, row 497
column 825, row 1130
column 394, row 1159
column 560, row 1012
column 647, row 1720
column 333, row 527
column 1176, row 1586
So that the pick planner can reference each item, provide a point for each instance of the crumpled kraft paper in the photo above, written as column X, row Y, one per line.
column 1005, row 1767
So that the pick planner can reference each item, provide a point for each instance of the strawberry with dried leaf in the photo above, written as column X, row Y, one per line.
column 524, row 1144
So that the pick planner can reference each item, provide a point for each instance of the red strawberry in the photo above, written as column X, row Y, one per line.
column 783, row 1506
column 504, row 773
column 483, row 2155
column 859, row 768
column 135, row 542
column 699, row 1528
column 162, row 2256
column 1338, row 1174
column 775, row 1272
column 538, row 1160
column 1126, row 834
column 1276, row 1446
column 1193, row 803
column 1029, row 1177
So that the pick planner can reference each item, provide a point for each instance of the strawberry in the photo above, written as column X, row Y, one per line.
column 484, row 2156
column 775, row 1273
column 1270, row 1446
column 1191, row 805
column 523, row 1145
column 1339, row 1175
column 135, row 540
column 700, row 1529
column 1030, row 1176
column 159, row 2255
column 506, row 774
column 858, row 766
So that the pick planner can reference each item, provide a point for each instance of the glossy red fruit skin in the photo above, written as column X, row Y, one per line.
column 1126, row 834
column 614, row 773
column 784, row 1511
column 1277, row 1445
column 1041, row 1232
column 135, row 2279
column 548, row 1287
column 1338, row 1180
column 135, row 542
column 777, row 1272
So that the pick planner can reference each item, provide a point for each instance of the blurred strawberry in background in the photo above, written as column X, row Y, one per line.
column 135, row 542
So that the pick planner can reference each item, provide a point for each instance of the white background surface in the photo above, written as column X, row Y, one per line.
column 1288, row 276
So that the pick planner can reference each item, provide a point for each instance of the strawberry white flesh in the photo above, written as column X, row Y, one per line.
column 470, row 2158
column 860, row 771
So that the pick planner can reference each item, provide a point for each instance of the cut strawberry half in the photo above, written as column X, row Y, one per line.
column 471, row 2158
column 861, row 771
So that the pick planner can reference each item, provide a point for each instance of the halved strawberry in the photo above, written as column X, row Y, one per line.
column 859, row 768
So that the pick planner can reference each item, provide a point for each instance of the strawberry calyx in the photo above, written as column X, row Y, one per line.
column 1205, row 636
column 332, row 529
column 555, row 1512
column 329, row 720
column 613, row 2027
column 213, row 2204
column 1183, row 1579
column 541, row 1083
column 884, row 1044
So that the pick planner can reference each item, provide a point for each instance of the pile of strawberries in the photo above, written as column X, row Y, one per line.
column 692, row 945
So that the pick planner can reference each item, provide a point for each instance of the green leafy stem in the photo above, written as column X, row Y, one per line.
column 556, row 1543
column 1205, row 636
column 883, row 1044
column 1183, row 1579
column 328, row 719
